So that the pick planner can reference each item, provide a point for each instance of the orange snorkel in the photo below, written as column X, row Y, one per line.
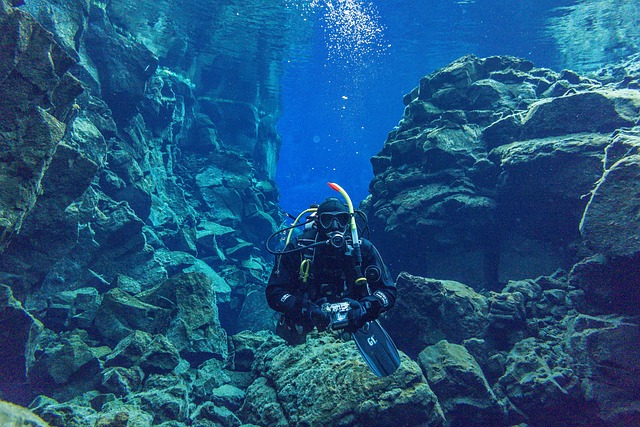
column 354, row 230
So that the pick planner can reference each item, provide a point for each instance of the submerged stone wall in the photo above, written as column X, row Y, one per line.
column 487, row 176
column 521, row 183
column 131, row 152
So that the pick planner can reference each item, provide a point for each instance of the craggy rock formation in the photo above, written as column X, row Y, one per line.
column 294, row 389
column 37, row 94
column 132, row 211
column 121, row 163
column 14, row 415
column 490, row 169
column 524, row 355
column 500, row 172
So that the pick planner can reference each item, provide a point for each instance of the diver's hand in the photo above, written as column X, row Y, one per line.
column 357, row 314
column 315, row 315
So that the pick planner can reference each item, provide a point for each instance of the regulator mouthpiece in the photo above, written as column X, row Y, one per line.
column 336, row 239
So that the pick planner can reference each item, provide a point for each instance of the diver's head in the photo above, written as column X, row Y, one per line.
column 332, row 220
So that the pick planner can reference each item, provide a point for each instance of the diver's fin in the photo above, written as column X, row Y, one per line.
column 377, row 348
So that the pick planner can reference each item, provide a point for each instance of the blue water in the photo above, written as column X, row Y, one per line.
column 337, row 109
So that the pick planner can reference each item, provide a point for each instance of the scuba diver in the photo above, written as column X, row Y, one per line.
column 329, row 278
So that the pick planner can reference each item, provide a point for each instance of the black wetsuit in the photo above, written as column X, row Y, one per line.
column 332, row 277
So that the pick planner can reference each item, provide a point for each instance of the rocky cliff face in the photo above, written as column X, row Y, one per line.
column 487, row 176
column 124, row 161
column 499, row 173
column 162, row 164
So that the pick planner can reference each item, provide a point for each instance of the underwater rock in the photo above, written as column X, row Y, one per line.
column 436, row 310
column 607, row 360
column 120, row 314
column 38, row 94
column 560, row 170
column 65, row 365
column 488, row 169
column 19, row 332
column 165, row 397
column 195, row 328
column 261, row 405
column 134, row 125
column 217, row 415
column 243, row 348
column 123, row 65
column 610, row 285
column 208, row 378
column 62, row 414
column 326, row 382
column 12, row 415
column 609, row 225
column 457, row 380
column 229, row 396
column 539, row 380
column 72, row 309
column 122, row 381
column 256, row 315
column 600, row 111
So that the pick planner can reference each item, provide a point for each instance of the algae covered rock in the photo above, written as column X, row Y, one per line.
column 152, row 353
column 539, row 380
column 12, row 415
column 462, row 389
column 195, row 328
column 484, row 179
column 607, row 357
column 610, row 221
column 120, row 314
column 326, row 382
column 38, row 94
column 429, row 310
column 19, row 331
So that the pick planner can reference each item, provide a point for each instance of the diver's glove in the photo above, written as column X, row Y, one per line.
column 358, row 314
column 315, row 315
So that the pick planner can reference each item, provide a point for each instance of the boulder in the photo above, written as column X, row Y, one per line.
column 228, row 396
column 65, row 366
column 62, row 414
column 195, row 328
column 457, row 380
column 256, row 315
column 429, row 310
column 19, row 331
column 72, row 309
column 540, row 199
column 164, row 397
column 540, row 383
column 244, row 346
column 209, row 378
column 607, row 360
column 298, row 378
column 609, row 224
column 593, row 111
column 261, row 405
column 216, row 414
column 610, row 285
column 122, row 381
column 152, row 353
column 120, row 314
column 12, row 415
